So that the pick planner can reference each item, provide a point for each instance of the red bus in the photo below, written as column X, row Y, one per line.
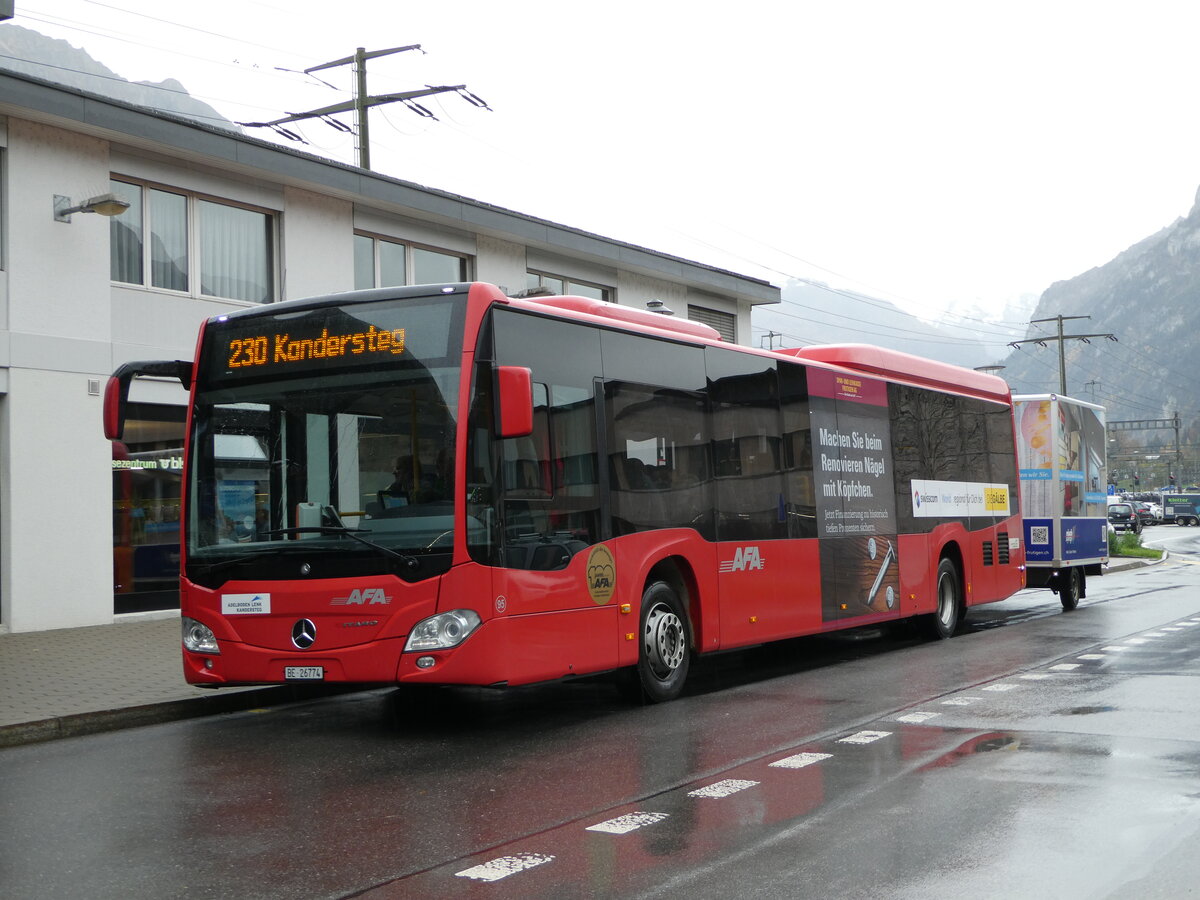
column 444, row 485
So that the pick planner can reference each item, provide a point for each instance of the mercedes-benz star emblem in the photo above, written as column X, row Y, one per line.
column 304, row 633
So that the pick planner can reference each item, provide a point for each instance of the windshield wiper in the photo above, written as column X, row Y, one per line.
column 254, row 556
column 411, row 561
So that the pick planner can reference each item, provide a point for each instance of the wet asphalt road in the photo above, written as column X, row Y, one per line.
column 1037, row 754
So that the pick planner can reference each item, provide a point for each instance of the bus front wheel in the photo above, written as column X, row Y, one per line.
column 663, row 647
column 944, row 622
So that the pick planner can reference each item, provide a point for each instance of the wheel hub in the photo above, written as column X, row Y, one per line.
column 664, row 641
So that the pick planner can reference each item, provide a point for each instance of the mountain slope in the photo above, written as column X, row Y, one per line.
column 1147, row 297
column 50, row 59
column 814, row 313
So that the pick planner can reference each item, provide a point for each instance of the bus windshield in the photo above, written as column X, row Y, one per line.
column 327, row 433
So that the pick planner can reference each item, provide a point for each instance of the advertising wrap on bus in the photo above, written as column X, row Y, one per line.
column 440, row 484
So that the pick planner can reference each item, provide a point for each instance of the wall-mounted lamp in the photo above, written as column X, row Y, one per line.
column 105, row 204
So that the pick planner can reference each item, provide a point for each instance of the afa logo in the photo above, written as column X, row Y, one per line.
column 744, row 559
column 601, row 575
column 363, row 597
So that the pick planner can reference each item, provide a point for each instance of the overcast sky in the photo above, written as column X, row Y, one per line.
column 931, row 153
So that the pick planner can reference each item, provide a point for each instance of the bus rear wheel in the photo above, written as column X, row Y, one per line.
column 1070, row 589
column 664, row 654
column 944, row 622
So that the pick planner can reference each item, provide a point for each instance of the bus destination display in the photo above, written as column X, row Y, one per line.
column 282, row 348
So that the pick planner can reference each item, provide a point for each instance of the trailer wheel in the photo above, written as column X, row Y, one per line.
column 944, row 622
column 664, row 654
column 1070, row 588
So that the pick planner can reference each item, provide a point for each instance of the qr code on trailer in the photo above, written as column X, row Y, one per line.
column 1039, row 534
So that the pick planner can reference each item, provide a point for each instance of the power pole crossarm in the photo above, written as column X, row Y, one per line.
column 1062, row 339
column 366, row 54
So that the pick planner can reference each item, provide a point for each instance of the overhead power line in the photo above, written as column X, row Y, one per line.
column 363, row 101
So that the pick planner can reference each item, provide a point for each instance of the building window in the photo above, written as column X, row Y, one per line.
column 380, row 262
column 176, row 241
column 725, row 323
column 542, row 282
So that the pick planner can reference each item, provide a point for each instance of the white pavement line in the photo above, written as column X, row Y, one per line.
column 1035, row 676
column 800, row 760
column 1000, row 688
column 864, row 737
column 1092, row 656
column 1153, row 634
column 917, row 717
column 1065, row 667
column 1114, row 648
column 723, row 788
column 504, row 866
column 627, row 823
column 1169, row 628
column 1188, row 624
column 1136, row 641
column 961, row 701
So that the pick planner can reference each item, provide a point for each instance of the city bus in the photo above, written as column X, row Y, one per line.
column 445, row 485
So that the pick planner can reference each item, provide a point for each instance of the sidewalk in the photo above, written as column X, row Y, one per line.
column 77, row 681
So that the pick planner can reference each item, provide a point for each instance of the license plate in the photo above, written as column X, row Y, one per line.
column 304, row 673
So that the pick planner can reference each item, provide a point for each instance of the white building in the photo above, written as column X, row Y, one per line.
column 217, row 221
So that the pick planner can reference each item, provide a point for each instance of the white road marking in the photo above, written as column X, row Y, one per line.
column 723, row 788
column 864, row 737
column 1169, row 628
column 1064, row 667
column 1035, row 676
column 800, row 760
column 1092, row 656
column 918, row 717
column 1136, row 641
column 1114, row 648
column 504, row 866
column 960, row 701
column 1000, row 687
column 1153, row 634
column 627, row 823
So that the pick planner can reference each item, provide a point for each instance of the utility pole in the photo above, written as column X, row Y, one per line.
column 1062, row 339
column 363, row 101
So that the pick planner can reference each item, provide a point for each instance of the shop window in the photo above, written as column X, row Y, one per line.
column 146, row 467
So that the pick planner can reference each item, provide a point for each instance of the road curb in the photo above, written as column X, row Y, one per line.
column 80, row 724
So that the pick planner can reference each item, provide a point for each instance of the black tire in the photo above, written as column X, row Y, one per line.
column 1071, row 588
column 664, row 648
column 944, row 622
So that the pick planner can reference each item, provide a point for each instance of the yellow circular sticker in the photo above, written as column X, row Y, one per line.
column 601, row 575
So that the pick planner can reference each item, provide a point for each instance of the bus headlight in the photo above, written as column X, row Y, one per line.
column 198, row 637
column 443, row 631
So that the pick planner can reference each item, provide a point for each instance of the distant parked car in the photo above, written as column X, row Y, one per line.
column 1185, row 514
column 1145, row 512
column 1122, row 517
